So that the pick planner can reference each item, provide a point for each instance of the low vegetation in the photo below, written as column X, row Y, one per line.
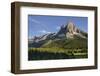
column 56, row 53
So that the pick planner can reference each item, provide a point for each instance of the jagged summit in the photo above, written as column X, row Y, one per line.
column 70, row 30
column 67, row 31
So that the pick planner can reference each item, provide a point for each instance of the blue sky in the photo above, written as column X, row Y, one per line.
column 42, row 24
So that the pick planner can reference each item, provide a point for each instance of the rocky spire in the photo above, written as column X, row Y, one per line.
column 70, row 27
column 71, row 30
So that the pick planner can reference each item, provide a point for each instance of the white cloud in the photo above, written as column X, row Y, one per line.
column 44, row 31
column 39, row 23
column 33, row 20
column 58, row 28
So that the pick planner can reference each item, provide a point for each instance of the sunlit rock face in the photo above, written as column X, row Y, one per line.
column 71, row 30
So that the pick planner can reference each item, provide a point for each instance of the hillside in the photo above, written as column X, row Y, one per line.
column 69, row 42
column 67, row 37
column 66, row 43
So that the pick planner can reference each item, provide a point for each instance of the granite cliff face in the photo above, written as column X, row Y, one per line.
column 71, row 30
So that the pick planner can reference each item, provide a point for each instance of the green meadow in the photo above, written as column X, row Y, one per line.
column 56, row 53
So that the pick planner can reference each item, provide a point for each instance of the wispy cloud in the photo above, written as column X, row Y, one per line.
column 39, row 23
column 44, row 32
column 33, row 20
column 58, row 27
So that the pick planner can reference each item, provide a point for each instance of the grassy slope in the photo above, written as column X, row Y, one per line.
column 60, row 49
column 67, row 43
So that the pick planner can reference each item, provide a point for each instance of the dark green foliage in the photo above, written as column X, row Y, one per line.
column 37, row 55
column 50, row 53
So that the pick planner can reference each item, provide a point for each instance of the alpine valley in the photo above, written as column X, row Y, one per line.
column 69, row 42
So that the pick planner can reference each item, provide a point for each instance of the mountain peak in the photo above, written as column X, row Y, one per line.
column 70, row 26
column 70, row 31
